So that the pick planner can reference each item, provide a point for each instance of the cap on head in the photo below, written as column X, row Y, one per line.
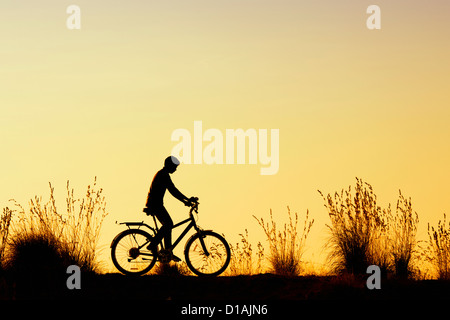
column 171, row 162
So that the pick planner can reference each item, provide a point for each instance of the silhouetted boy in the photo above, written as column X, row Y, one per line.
column 155, row 205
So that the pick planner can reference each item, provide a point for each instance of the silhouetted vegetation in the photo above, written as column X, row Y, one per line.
column 44, row 240
column 171, row 269
column 402, row 242
column 286, row 245
column 38, row 243
column 362, row 233
column 5, row 221
column 243, row 260
column 438, row 252
column 355, row 224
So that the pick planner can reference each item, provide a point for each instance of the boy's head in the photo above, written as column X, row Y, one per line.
column 171, row 163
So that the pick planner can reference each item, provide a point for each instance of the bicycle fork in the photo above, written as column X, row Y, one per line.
column 205, row 250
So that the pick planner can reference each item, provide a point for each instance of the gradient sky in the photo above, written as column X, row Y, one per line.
column 103, row 101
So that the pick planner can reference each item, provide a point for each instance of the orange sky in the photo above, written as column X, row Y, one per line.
column 347, row 101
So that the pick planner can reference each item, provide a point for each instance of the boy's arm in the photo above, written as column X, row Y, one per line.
column 175, row 192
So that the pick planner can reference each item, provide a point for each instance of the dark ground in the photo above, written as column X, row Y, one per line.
column 181, row 297
column 262, row 287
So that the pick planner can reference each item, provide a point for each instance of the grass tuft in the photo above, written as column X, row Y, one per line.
column 242, row 258
column 172, row 269
column 5, row 221
column 356, row 226
column 403, row 243
column 286, row 245
column 439, row 248
column 363, row 234
column 45, row 239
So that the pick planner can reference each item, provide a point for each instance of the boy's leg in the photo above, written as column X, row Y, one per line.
column 166, row 229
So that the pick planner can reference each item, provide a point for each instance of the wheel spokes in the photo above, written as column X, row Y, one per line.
column 131, row 253
column 213, row 260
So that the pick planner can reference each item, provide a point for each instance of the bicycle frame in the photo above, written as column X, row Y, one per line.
column 191, row 225
column 188, row 228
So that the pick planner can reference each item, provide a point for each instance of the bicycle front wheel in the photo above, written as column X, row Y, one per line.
column 129, row 252
column 207, row 253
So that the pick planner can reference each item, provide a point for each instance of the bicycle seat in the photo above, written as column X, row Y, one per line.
column 148, row 211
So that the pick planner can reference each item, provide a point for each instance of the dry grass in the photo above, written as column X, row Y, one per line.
column 243, row 260
column 171, row 269
column 403, row 243
column 438, row 253
column 362, row 233
column 356, row 225
column 5, row 221
column 286, row 245
column 44, row 237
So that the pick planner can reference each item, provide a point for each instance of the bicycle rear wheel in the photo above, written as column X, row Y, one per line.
column 211, row 262
column 129, row 252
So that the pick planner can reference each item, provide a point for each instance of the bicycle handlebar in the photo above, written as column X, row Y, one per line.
column 193, row 203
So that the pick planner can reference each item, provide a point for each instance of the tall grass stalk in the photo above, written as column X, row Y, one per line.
column 362, row 233
column 439, row 248
column 243, row 260
column 403, row 243
column 5, row 221
column 69, row 238
column 357, row 230
column 286, row 245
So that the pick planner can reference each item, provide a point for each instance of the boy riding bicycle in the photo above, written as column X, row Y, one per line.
column 155, row 205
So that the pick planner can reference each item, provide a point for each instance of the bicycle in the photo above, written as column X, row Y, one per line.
column 207, row 253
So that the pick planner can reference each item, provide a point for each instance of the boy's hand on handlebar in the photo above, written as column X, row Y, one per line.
column 191, row 201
